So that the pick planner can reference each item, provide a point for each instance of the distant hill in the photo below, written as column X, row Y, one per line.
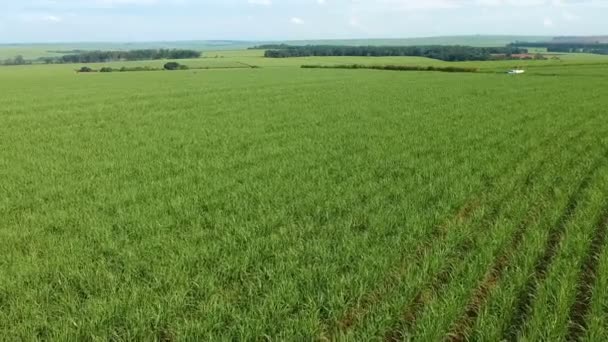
column 581, row 39
column 478, row 40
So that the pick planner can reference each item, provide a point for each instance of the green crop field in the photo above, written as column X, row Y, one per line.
column 290, row 204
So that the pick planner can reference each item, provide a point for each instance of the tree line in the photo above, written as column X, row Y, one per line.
column 393, row 67
column 444, row 53
column 566, row 47
column 18, row 60
column 112, row 56
column 269, row 47
column 168, row 66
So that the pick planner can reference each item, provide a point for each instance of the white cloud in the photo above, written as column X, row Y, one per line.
column 40, row 18
column 126, row 2
column 450, row 4
column 117, row 3
column 260, row 2
column 409, row 4
column 569, row 16
column 296, row 21
column 489, row 3
column 52, row 18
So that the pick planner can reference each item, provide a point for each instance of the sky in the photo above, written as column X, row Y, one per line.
column 27, row 21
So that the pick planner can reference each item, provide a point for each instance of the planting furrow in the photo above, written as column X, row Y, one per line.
column 523, row 308
column 488, row 282
column 502, row 307
column 451, row 251
column 413, row 259
column 436, row 239
column 462, row 332
column 458, row 289
column 399, row 331
column 463, row 326
column 556, row 296
column 492, row 317
column 588, row 277
column 439, row 233
column 596, row 320
column 437, row 285
column 469, row 289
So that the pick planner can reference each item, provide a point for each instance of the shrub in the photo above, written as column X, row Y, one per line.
column 85, row 69
column 172, row 66
column 138, row 68
column 106, row 69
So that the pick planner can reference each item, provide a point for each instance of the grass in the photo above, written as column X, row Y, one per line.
column 298, row 204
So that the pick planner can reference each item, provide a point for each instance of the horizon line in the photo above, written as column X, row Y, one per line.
column 285, row 40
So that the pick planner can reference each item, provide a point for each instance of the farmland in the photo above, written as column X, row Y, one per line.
column 305, row 204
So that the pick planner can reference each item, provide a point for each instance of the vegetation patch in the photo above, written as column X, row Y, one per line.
column 440, row 52
column 394, row 67
column 174, row 66
column 566, row 47
column 170, row 66
column 117, row 56
column 86, row 69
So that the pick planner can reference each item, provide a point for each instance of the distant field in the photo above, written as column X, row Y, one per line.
column 567, row 63
column 448, row 40
column 42, row 50
column 234, row 53
column 27, row 52
column 290, row 204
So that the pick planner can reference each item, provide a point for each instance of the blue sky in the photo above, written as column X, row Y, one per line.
column 149, row 20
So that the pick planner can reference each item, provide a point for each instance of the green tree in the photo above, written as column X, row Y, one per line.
column 172, row 66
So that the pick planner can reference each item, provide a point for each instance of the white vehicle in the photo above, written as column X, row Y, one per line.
column 516, row 72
